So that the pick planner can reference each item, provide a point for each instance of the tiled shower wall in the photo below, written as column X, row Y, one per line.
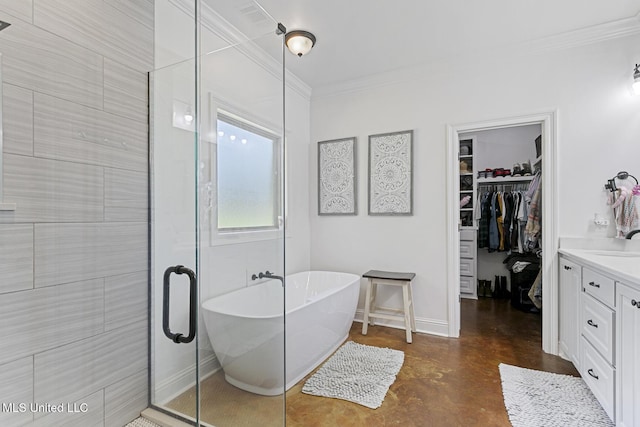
column 73, row 255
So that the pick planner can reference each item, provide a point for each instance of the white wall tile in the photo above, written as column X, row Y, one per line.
column 142, row 10
column 125, row 91
column 72, row 252
column 100, row 27
column 39, row 319
column 69, row 372
column 85, row 412
column 125, row 195
column 16, row 387
column 125, row 399
column 39, row 60
column 22, row 9
column 53, row 191
column 17, row 120
column 125, row 299
column 16, row 257
column 67, row 131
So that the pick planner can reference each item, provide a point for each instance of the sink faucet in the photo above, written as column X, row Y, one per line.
column 631, row 234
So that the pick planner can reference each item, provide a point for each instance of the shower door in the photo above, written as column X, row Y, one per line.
column 217, row 206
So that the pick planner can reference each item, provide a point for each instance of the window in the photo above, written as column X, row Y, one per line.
column 248, row 177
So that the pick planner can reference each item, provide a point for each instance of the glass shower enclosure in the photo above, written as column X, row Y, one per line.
column 217, row 208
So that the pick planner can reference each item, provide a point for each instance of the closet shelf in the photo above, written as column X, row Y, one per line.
column 504, row 180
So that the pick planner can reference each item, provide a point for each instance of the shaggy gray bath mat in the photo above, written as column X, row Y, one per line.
column 542, row 399
column 358, row 373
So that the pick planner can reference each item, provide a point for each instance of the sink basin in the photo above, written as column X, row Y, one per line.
column 615, row 254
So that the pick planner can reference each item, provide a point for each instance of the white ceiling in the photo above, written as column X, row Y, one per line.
column 357, row 38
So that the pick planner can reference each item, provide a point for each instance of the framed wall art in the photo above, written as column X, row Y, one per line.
column 391, row 173
column 337, row 177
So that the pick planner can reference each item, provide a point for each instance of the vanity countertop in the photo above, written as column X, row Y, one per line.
column 624, row 265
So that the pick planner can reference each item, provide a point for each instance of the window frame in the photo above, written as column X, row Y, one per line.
column 231, row 235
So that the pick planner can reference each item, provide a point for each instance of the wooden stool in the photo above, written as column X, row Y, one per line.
column 376, row 278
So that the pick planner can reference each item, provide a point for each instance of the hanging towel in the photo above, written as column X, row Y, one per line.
column 627, row 216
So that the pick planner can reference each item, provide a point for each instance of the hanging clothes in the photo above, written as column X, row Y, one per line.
column 483, row 215
column 494, row 236
column 500, row 221
column 508, row 219
column 534, row 220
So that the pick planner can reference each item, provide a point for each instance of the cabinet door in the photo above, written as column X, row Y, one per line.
column 570, row 281
column 628, row 355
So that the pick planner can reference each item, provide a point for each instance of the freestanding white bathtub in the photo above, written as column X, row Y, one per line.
column 247, row 328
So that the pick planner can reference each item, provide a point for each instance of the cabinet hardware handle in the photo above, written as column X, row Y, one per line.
column 594, row 284
column 566, row 267
column 590, row 372
column 635, row 303
column 590, row 322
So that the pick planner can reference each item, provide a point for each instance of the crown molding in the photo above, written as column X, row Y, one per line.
column 621, row 28
column 216, row 24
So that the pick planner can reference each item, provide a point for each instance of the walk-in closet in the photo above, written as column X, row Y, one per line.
column 500, row 215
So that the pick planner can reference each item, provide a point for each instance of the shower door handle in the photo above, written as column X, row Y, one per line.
column 177, row 337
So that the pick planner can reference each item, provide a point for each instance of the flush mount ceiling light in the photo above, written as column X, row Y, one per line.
column 299, row 42
column 636, row 80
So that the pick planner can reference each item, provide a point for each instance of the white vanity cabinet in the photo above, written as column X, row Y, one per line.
column 599, row 331
column 628, row 356
column 570, row 283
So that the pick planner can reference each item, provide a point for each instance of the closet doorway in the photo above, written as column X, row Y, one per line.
column 502, row 160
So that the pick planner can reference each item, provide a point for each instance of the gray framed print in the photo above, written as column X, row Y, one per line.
column 391, row 173
column 337, row 177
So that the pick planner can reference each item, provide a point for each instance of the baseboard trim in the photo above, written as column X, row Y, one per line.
column 423, row 325
column 183, row 380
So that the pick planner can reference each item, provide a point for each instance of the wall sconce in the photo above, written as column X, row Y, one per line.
column 636, row 80
column 183, row 117
column 188, row 115
column 299, row 42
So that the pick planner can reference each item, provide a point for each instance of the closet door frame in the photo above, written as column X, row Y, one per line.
column 548, row 122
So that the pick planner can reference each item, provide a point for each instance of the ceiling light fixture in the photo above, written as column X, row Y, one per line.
column 299, row 42
column 636, row 80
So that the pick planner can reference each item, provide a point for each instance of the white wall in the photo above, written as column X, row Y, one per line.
column 501, row 148
column 598, row 125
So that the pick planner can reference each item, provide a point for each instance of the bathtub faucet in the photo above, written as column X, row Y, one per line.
column 269, row 275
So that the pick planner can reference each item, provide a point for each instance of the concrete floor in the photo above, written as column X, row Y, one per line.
column 443, row 382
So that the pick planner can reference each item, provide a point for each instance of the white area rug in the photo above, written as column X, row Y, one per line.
column 358, row 373
column 542, row 399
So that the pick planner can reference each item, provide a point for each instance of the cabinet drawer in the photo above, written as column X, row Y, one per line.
column 467, row 267
column 599, row 376
column 601, row 287
column 468, row 235
column 467, row 249
column 466, row 284
column 598, row 326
